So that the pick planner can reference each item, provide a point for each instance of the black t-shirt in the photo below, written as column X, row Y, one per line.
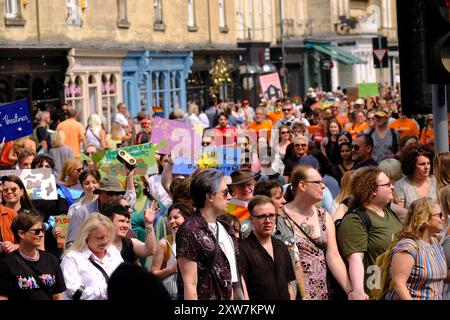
column 127, row 251
column 18, row 284
column 42, row 134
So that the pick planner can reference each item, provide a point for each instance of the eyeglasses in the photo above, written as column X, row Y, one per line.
column 388, row 184
column 438, row 214
column 355, row 147
column 317, row 182
column 264, row 217
column 303, row 145
column 371, row 118
column 13, row 190
column 36, row 231
column 245, row 186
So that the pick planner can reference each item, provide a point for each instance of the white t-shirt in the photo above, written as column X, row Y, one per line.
column 122, row 120
column 227, row 246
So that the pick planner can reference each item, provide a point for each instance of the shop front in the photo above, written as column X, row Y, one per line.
column 94, row 82
column 155, row 79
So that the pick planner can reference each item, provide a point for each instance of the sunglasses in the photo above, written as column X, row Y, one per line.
column 114, row 193
column 300, row 145
column 285, row 110
column 355, row 147
column 128, row 207
column 438, row 214
column 36, row 231
column 285, row 132
column 79, row 170
column 206, row 143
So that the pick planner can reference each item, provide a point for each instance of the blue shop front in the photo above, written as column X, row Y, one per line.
column 155, row 79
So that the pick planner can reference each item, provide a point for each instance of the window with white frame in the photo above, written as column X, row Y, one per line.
column 73, row 13
column 191, row 15
column 12, row 9
column 109, row 98
column 74, row 94
column 222, row 16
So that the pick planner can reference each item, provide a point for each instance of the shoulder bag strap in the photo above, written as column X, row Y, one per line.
column 96, row 137
column 105, row 275
column 303, row 231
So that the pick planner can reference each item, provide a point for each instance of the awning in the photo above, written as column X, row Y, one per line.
column 336, row 53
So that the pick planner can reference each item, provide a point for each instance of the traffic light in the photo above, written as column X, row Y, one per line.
column 415, row 89
column 438, row 41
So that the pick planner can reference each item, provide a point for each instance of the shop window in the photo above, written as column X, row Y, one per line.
column 143, row 93
column 175, row 89
column 73, row 13
column 4, row 92
column 222, row 17
column 158, row 88
column 122, row 19
column 192, row 26
column 109, row 98
column 159, row 22
column 74, row 95
column 13, row 15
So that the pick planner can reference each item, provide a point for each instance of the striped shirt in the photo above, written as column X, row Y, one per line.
column 426, row 280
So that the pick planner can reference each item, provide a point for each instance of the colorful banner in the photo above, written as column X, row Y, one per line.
column 40, row 183
column 180, row 137
column 144, row 155
column 62, row 222
column 368, row 90
column 222, row 159
column 15, row 120
column 271, row 86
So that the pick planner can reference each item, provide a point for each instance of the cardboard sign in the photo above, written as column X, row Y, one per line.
column 15, row 120
column 144, row 155
column 271, row 86
column 368, row 90
column 180, row 137
column 223, row 159
column 40, row 183
column 62, row 222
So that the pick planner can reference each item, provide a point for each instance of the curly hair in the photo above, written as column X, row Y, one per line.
column 409, row 156
column 420, row 211
column 441, row 168
column 363, row 184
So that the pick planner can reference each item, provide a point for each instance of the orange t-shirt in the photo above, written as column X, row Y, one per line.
column 405, row 127
column 73, row 130
column 266, row 125
column 354, row 129
column 343, row 119
column 6, row 217
column 427, row 136
column 275, row 117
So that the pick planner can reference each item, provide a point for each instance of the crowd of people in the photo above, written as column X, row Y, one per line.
column 333, row 199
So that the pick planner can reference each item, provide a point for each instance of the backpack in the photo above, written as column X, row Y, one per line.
column 394, row 145
column 383, row 262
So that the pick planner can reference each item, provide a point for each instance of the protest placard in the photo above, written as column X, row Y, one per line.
column 271, row 86
column 145, row 159
column 352, row 94
column 62, row 222
column 15, row 120
column 40, row 183
column 223, row 159
column 368, row 90
column 181, row 138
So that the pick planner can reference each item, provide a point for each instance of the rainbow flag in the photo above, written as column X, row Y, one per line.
column 158, row 111
column 238, row 210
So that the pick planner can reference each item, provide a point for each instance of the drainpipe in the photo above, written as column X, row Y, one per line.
column 38, row 25
column 209, row 22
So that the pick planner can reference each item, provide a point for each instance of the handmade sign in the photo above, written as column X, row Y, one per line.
column 180, row 137
column 223, row 159
column 368, row 90
column 15, row 120
column 144, row 155
column 40, row 183
column 62, row 222
column 271, row 86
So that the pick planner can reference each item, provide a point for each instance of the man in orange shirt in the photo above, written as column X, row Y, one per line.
column 277, row 114
column 7, row 241
column 405, row 126
column 359, row 124
column 74, row 132
column 261, row 124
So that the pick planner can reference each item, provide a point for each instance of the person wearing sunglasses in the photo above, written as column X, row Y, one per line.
column 300, row 144
column 265, row 261
column 418, row 267
column 110, row 188
column 362, row 148
column 285, row 139
column 207, row 250
column 29, row 273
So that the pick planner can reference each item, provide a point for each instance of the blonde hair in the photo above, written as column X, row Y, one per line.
column 441, row 169
column 92, row 223
column 69, row 166
column 192, row 107
column 420, row 211
column 444, row 199
column 95, row 121
column 346, row 186
column 115, row 131
column 58, row 139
